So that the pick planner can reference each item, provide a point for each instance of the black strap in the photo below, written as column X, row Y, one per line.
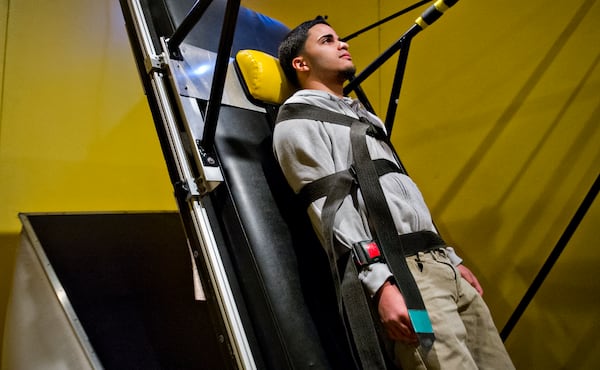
column 360, row 320
column 382, row 224
column 332, row 205
column 321, row 187
column 307, row 111
column 349, row 290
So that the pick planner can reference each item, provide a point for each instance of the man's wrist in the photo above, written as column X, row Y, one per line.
column 377, row 295
column 373, row 276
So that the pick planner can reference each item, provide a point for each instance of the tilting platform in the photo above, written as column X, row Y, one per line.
column 265, row 275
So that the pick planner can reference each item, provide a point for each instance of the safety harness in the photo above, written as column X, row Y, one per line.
column 388, row 246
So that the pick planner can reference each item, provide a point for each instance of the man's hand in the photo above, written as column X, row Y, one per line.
column 394, row 314
column 470, row 277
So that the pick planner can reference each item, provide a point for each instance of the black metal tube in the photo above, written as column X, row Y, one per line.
column 218, row 83
column 385, row 20
column 396, row 87
column 188, row 23
column 552, row 258
column 387, row 54
column 362, row 97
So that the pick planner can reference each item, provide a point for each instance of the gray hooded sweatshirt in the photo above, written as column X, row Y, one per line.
column 308, row 150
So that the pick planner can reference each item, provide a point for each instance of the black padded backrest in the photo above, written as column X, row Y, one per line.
column 267, row 233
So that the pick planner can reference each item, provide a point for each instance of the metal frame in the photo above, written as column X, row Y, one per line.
column 189, row 184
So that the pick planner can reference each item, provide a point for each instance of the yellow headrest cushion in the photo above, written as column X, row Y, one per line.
column 263, row 76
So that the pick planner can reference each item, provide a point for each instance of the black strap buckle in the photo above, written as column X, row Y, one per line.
column 366, row 252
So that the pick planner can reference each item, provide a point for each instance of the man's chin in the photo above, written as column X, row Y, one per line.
column 349, row 73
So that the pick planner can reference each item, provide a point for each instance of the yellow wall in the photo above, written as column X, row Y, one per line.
column 497, row 122
column 76, row 132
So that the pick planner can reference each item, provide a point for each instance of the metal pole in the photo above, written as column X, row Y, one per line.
column 385, row 20
column 397, row 85
column 188, row 23
column 218, row 82
column 552, row 258
column 387, row 54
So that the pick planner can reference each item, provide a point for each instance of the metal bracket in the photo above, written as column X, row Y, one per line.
column 207, row 167
column 154, row 63
column 210, row 171
column 186, row 190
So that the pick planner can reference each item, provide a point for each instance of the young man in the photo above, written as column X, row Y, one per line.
column 308, row 149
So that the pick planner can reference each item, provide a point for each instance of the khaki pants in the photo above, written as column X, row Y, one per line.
column 466, row 337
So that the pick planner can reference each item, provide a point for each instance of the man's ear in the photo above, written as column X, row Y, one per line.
column 299, row 64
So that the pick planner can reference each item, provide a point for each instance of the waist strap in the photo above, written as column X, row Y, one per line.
column 420, row 241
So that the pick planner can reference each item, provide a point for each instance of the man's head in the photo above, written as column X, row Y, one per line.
column 313, row 48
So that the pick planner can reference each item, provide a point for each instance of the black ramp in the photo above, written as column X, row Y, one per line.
column 129, row 279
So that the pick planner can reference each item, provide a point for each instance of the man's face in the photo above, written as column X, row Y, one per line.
column 326, row 55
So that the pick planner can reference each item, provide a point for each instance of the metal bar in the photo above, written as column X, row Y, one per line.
column 202, row 239
column 396, row 87
column 360, row 94
column 200, row 232
column 552, row 258
column 218, row 83
column 387, row 54
column 385, row 20
column 188, row 23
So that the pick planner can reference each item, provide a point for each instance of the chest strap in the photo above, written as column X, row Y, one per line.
column 321, row 187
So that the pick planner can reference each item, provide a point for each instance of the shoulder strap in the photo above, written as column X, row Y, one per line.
column 308, row 111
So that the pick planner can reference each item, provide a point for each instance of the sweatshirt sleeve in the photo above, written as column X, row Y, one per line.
column 305, row 153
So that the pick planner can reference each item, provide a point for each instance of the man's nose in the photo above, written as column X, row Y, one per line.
column 343, row 45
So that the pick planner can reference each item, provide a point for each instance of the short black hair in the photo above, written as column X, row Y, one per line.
column 293, row 44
